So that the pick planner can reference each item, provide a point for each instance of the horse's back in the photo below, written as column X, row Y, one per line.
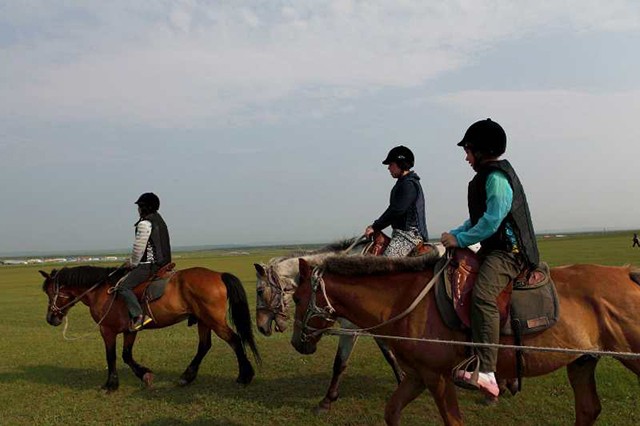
column 595, row 281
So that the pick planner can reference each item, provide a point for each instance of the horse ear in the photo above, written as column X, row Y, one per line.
column 305, row 269
column 260, row 269
column 44, row 274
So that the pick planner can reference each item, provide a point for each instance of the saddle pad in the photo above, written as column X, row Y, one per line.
column 152, row 290
column 533, row 308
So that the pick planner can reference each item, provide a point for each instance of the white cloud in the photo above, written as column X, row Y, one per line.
column 185, row 63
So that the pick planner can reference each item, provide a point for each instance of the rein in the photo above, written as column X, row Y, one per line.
column 328, row 313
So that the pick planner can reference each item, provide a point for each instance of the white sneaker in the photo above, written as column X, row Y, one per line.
column 487, row 384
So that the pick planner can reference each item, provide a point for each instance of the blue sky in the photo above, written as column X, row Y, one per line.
column 260, row 122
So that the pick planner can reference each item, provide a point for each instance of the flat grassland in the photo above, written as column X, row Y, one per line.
column 46, row 380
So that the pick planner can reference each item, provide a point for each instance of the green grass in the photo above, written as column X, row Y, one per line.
column 47, row 380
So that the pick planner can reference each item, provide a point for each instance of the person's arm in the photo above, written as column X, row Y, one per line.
column 499, row 199
column 143, row 232
column 403, row 197
column 464, row 227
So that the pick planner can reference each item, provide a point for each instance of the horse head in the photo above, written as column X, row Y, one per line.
column 313, row 310
column 272, row 296
column 59, row 297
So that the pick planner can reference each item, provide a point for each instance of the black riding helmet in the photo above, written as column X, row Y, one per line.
column 485, row 136
column 149, row 200
column 402, row 156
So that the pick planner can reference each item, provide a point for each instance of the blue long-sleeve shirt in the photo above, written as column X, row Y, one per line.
column 499, row 199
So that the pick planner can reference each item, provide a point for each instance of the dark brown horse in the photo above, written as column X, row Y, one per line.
column 598, row 312
column 196, row 293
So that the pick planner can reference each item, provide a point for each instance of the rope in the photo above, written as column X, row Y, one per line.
column 628, row 355
column 84, row 336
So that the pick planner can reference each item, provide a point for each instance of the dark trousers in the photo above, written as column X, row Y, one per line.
column 138, row 275
column 497, row 269
column 635, row 243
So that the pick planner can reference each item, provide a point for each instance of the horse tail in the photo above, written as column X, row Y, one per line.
column 240, row 316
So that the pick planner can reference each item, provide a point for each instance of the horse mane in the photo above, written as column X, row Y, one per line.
column 83, row 276
column 372, row 265
column 334, row 247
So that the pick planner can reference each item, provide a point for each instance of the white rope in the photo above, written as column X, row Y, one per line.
column 84, row 336
column 629, row 355
column 64, row 332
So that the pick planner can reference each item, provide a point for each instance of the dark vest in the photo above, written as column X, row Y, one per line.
column 159, row 240
column 518, row 217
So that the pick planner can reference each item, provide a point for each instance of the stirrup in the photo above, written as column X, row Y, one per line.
column 466, row 373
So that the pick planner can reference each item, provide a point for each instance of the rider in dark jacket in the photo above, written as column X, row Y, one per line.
column 406, row 211
column 151, row 251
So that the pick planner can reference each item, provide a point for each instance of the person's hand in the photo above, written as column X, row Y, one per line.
column 368, row 231
column 448, row 240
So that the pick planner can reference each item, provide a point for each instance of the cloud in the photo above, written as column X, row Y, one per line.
column 190, row 63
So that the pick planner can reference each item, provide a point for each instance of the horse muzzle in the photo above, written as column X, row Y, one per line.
column 54, row 319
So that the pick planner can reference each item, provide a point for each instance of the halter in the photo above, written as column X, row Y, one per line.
column 327, row 313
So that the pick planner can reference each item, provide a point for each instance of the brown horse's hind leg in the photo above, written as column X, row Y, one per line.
column 583, row 381
column 142, row 372
column 220, row 327
column 189, row 375
column 408, row 390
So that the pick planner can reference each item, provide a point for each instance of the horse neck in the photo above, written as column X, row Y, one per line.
column 370, row 300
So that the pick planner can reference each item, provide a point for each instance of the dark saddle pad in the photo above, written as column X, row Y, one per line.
column 381, row 241
column 153, row 288
column 529, row 302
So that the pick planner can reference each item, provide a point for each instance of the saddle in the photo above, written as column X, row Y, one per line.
column 381, row 242
column 153, row 288
column 528, row 304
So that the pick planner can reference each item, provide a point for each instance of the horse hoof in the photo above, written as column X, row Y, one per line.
column 147, row 379
column 320, row 410
column 108, row 389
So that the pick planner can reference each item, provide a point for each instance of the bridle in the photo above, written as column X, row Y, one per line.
column 277, row 289
column 55, row 309
column 327, row 313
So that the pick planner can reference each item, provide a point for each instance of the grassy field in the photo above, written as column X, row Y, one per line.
column 46, row 380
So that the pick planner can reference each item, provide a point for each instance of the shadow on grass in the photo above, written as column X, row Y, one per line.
column 167, row 421
column 301, row 390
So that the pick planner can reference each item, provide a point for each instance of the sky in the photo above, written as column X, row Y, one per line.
column 262, row 122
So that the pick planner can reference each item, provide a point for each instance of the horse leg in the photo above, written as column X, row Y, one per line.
column 109, row 338
column 142, row 372
column 444, row 394
column 391, row 359
column 633, row 365
column 583, row 381
column 189, row 375
column 345, row 348
column 245, row 370
column 409, row 389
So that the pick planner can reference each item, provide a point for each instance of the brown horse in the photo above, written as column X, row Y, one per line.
column 196, row 293
column 598, row 312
